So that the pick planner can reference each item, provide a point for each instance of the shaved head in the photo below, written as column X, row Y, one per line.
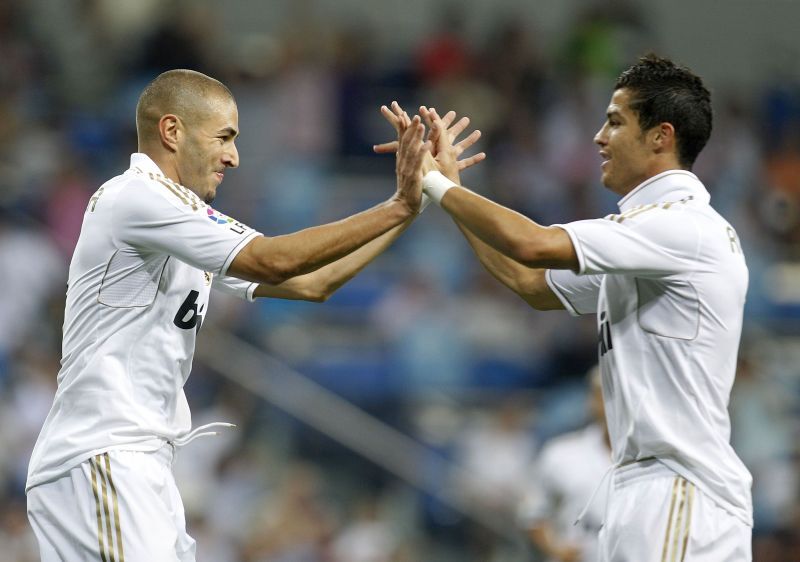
column 187, row 124
column 188, row 94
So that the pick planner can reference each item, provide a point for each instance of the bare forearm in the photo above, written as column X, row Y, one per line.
column 273, row 260
column 509, row 232
column 528, row 283
column 319, row 285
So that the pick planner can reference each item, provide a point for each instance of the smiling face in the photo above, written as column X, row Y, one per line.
column 206, row 147
column 627, row 154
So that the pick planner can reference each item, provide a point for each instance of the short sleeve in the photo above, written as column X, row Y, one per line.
column 233, row 286
column 154, row 217
column 654, row 246
column 578, row 293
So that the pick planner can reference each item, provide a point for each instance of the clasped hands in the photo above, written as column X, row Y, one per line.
column 417, row 155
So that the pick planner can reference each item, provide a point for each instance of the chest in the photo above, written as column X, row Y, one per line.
column 668, row 307
column 184, row 294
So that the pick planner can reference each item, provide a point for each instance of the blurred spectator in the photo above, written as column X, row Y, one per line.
column 297, row 526
column 368, row 537
column 569, row 469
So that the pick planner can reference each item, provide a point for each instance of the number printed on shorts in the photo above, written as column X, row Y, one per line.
column 189, row 316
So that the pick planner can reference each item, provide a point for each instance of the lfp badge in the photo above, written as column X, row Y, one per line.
column 218, row 217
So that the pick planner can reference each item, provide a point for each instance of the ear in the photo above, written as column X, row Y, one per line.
column 169, row 131
column 663, row 137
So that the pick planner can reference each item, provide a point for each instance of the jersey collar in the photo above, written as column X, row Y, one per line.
column 672, row 185
column 144, row 163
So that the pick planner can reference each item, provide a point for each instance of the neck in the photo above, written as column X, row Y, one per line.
column 164, row 161
column 658, row 166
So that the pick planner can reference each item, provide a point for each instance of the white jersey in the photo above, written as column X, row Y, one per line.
column 568, row 471
column 667, row 280
column 138, row 290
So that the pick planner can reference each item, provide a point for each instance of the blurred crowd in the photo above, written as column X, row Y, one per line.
column 423, row 339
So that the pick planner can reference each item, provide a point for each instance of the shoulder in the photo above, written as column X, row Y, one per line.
column 676, row 224
column 143, row 194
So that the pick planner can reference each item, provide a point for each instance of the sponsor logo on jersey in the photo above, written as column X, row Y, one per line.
column 218, row 217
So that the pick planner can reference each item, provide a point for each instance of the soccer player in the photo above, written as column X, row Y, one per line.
column 568, row 470
column 100, row 485
column 667, row 280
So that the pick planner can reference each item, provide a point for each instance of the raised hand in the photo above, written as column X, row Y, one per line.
column 412, row 150
column 399, row 119
column 443, row 133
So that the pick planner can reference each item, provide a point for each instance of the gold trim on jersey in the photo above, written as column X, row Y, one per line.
column 679, row 526
column 106, row 510
column 639, row 209
column 186, row 195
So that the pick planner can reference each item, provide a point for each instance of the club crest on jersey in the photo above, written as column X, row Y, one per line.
column 218, row 217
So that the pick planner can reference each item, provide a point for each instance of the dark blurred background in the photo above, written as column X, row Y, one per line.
column 400, row 420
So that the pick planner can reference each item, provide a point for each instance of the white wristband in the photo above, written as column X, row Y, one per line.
column 436, row 185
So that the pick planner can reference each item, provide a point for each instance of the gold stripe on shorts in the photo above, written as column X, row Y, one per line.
column 107, row 510
column 675, row 488
column 116, row 508
column 679, row 521
column 98, row 510
column 688, row 519
column 677, row 532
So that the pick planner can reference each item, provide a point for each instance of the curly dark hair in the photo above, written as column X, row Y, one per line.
column 662, row 91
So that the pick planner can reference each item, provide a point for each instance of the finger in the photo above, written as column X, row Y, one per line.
column 467, row 142
column 400, row 113
column 386, row 147
column 448, row 118
column 442, row 139
column 471, row 161
column 459, row 127
column 391, row 118
column 426, row 115
column 414, row 131
column 433, row 133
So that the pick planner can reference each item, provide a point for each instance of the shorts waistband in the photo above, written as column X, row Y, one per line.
column 642, row 469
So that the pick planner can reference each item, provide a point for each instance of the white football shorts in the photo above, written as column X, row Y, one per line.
column 654, row 515
column 119, row 506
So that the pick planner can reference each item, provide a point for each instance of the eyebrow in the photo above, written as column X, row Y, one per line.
column 228, row 131
column 613, row 113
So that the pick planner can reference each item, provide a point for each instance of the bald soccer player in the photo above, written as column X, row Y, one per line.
column 100, row 484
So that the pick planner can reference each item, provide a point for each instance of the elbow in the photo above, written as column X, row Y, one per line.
column 317, row 296
column 527, row 252
column 276, row 270
column 540, row 251
column 310, row 288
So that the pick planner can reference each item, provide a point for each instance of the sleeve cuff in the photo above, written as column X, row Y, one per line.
column 238, row 248
column 548, row 276
column 575, row 244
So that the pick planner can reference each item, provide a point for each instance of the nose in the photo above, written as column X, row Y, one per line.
column 231, row 158
column 599, row 138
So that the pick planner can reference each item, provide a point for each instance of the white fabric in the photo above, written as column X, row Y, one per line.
column 669, row 302
column 436, row 184
column 568, row 471
column 120, row 505
column 655, row 515
column 139, row 283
